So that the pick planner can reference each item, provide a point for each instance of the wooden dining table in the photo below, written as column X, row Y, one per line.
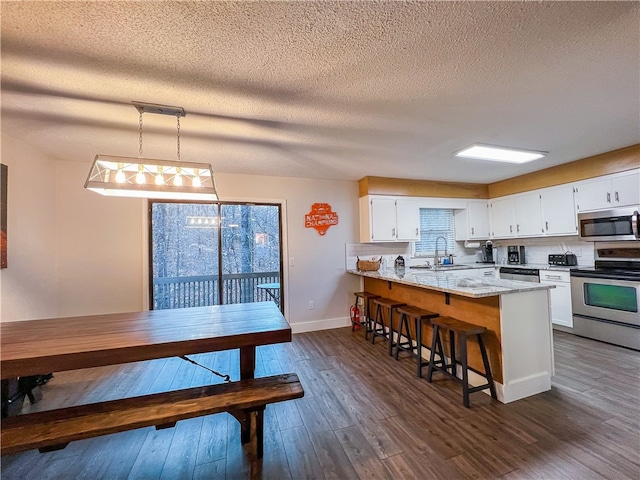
column 36, row 347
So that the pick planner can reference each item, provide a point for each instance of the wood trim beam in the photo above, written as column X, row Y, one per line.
column 420, row 188
column 615, row 161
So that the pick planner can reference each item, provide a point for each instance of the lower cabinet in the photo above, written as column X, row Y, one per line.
column 561, row 313
column 486, row 272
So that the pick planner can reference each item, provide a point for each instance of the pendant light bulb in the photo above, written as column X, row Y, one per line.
column 140, row 180
column 120, row 176
column 177, row 180
column 159, row 177
column 196, row 179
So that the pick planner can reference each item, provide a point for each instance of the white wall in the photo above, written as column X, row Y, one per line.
column 319, row 273
column 28, row 285
column 74, row 252
column 99, row 248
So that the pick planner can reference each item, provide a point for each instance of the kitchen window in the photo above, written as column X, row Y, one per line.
column 434, row 223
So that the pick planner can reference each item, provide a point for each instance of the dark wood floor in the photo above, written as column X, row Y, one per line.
column 364, row 416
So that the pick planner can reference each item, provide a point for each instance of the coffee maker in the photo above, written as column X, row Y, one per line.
column 487, row 253
column 515, row 255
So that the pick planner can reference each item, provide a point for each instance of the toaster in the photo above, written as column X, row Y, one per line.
column 563, row 259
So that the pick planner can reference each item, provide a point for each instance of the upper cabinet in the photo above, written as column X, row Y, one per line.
column 558, row 212
column 528, row 213
column 389, row 219
column 549, row 211
column 503, row 217
column 611, row 191
column 407, row 220
column 473, row 221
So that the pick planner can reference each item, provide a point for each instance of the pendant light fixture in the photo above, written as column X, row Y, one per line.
column 151, row 178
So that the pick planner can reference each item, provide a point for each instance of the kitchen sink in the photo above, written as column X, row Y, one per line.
column 439, row 268
column 455, row 266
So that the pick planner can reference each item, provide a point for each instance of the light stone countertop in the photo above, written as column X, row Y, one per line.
column 539, row 266
column 457, row 284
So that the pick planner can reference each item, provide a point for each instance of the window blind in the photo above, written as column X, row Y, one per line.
column 434, row 223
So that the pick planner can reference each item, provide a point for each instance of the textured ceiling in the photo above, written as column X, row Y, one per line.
column 325, row 89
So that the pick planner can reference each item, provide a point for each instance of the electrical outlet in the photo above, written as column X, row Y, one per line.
column 292, row 262
column 310, row 304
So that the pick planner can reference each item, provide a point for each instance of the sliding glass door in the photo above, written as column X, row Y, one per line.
column 214, row 253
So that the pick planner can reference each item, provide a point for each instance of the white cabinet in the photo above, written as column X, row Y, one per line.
column 548, row 211
column 383, row 219
column 626, row 189
column 388, row 219
column 561, row 313
column 486, row 272
column 558, row 211
column 473, row 221
column 528, row 213
column 407, row 220
column 610, row 191
column 503, row 217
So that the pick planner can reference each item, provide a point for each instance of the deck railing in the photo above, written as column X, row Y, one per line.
column 202, row 290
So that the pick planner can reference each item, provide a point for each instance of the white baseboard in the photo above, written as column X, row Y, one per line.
column 316, row 325
column 527, row 386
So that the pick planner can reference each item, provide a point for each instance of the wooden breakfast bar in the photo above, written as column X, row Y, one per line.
column 37, row 347
column 515, row 314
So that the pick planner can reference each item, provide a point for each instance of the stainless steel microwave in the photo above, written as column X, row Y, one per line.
column 609, row 225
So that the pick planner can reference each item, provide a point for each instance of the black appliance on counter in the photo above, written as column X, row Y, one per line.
column 563, row 259
column 487, row 253
column 606, row 299
column 515, row 255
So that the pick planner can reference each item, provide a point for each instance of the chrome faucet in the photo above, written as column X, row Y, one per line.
column 436, row 258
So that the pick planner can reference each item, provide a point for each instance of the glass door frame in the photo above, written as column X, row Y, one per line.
column 219, row 203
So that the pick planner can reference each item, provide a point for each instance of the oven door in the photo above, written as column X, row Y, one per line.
column 616, row 224
column 610, row 299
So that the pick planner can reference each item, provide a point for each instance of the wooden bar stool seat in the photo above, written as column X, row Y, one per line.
column 418, row 315
column 366, row 318
column 378, row 327
column 463, row 330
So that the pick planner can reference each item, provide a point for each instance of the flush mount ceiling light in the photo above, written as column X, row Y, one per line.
column 499, row 154
column 150, row 178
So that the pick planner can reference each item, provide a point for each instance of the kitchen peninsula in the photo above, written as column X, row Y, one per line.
column 516, row 315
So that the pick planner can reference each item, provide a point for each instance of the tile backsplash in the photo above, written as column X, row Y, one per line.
column 536, row 251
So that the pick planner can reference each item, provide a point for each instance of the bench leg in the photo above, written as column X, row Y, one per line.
column 251, row 427
column 257, row 431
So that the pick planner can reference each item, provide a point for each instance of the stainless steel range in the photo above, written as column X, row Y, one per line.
column 605, row 298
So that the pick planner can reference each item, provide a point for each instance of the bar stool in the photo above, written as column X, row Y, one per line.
column 378, row 328
column 463, row 331
column 366, row 297
column 418, row 315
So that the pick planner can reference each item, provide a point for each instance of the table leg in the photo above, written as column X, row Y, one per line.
column 247, row 370
column 12, row 398
column 247, row 362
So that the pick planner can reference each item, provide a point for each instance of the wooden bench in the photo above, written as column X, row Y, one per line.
column 246, row 400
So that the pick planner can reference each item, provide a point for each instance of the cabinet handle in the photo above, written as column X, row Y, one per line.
column 558, row 277
column 608, row 198
column 472, row 230
column 393, row 232
column 510, row 228
column 417, row 232
column 617, row 197
column 546, row 225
